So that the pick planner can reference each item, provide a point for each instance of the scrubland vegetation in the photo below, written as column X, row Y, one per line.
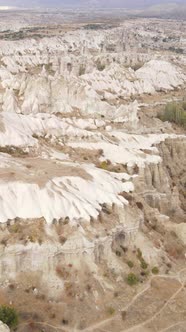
column 175, row 113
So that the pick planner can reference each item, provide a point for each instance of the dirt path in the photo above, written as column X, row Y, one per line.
column 56, row 328
column 173, row 325
column 133, row 328
column 100, row 325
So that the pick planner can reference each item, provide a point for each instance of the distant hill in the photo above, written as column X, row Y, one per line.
column 169, row 10
column 132, row 4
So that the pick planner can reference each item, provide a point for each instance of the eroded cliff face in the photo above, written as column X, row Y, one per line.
column 174, row 159
column 88, row 262
column 156, row 204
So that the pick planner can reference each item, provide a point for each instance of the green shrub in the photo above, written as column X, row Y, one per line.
column 132, row 279
column 144, row 265
column 130, row 264
column 118, row 253
column 155, row 270
column 82, row 70
column 104, row 165
column 100, row 66
column 110, row 311
column 174, row 112
column 139, row 254
column 8, row 316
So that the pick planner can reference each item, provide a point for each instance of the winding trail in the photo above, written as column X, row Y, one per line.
column 133, row 328
column 177, row 277
column 173, row 325
column 101, row 324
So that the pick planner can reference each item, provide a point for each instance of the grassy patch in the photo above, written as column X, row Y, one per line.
column 111, row 311
column 174, row 113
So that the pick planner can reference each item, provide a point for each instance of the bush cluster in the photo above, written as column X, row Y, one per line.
column 174, row 112
column 8, row 316
column 155, row 270
column 132, row 279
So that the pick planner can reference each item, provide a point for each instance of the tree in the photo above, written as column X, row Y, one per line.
column 8, row 316
column 132, row 279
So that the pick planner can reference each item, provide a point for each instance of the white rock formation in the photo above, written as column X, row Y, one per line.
column 4, row 328
column 72, row 196
column 43, row 81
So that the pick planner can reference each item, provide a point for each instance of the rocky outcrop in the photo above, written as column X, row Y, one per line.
column 162, row 184
column 3, row 327
column 174, row 159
